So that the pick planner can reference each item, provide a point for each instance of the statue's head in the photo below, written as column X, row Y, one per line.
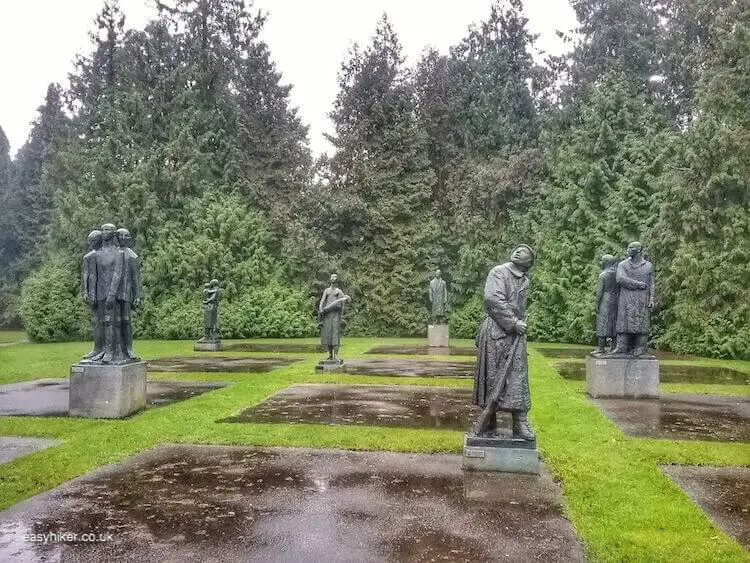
column 437, row 272
column 108, row 231
column 124, row 238
column 334, row 279
column 95, row 238
column 214, row 282
column 634, row 249
column 207, row 285
column 607, row 261
column 523, row 257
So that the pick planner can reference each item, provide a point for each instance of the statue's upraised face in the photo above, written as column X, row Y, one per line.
column 522, row 257
column 108, row 231
column 123, row 236
column 214, row 282
column 634, row 249
column 437, row 273
column 334, row 279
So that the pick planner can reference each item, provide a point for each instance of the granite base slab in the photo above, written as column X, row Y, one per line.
column 208, row 346
column 508, row 455
column 635, row 378
column 107, row 391
column 438, row 336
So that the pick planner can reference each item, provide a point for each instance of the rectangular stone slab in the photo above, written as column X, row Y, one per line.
column 107, row 391
column 503, row 455
column 678, row 416
column 409, row 406
column 437, row 336
column 219, row 503
column 208, row 346
column 622, row 377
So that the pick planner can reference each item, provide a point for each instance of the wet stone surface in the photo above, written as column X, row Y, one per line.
column 579, row 353
column 409, row 368
column 49, row 397
column 294, row 348
column 722, row 492
column 407, row 406
column 670, row 373
column 198, row 503
column 12, row 447
column 214, row 364
column 682, row 417
column 423, row 350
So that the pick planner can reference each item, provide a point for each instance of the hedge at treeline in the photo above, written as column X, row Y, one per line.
column 183, row 132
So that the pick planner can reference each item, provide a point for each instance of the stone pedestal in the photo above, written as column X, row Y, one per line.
column 437, row 336
column 635, row 378
column 208, row 346
column 510, row 455
column 330, row 365
column 438, row 351
column 107, row 391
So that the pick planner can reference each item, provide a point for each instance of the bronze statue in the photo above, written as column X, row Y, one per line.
column 606, row 303
column 129, row 293
column 438, row 298
column 211, row 294
column 501, row 380
column 88, row 288
column 635, row 279
column 330, row 312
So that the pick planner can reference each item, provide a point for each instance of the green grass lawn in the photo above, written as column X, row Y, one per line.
column 621, row 505
column 12, row 336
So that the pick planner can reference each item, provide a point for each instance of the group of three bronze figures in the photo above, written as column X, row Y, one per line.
column 111, row 287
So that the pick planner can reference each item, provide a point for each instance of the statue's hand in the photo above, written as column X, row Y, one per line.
column 650, row 304
column 136, row 302
column 521, row 327
column 110, row 302
column 642, row 285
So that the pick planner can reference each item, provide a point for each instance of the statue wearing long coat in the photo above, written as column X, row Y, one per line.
column 330, row 328
column 438, row 296
column 606, row 303
column 504, row 304
column 632, row 309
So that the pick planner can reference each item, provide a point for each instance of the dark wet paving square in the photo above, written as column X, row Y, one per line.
column 199, row 503
column 403, row 367
column 218, row 364
column 682, row 417
column 672, row 373
column 723, row 493
column 420, row 350
column 291, row 347
column 49, row 397
column 408, row 406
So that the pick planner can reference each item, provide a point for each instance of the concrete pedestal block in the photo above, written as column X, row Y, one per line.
column 438, row 351
column 208, row 346
column 330, row 365
column 107, row 391
column 437, row 336
column 635, row 378
column 509, row 455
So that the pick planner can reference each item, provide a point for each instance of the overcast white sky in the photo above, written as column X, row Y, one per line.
column 308, row 41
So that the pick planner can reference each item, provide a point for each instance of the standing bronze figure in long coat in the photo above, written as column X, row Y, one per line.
column 129, row 293
column 88, row 288
column 438, row 298
column 606, row 303
column 501, row 380
column 635, row 277
column 330, row 312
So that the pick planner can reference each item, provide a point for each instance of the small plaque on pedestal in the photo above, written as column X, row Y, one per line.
column 107, row 390
column 437, row 336
column 625, row 376
column 507, row 454
column 208, row 346
column 330, row 365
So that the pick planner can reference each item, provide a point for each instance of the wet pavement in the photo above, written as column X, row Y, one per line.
column 214, row 503
column 295, row 348
column 12, row 447
column 49, row 397
column 578, row 353
column 681, row 417
column 409, row 368
column 407, row 406
column 671, row 373
column 214, row 364
column 420, row 350
column 723, row 493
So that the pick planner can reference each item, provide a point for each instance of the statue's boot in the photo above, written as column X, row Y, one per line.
column 109, row 338
column 640, row 348
column 521, row 427
column 93, row 354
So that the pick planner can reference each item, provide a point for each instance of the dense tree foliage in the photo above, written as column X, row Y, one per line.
column 183, row 132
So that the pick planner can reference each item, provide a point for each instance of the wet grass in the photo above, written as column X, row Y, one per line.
column 622, row 506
